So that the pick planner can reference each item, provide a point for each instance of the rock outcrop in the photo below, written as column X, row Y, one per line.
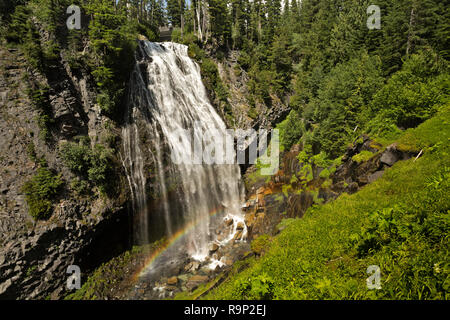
column 288, row 194
column 261, row 116
column 85, row 231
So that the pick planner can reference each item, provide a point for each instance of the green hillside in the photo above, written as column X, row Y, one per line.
column 400, row 223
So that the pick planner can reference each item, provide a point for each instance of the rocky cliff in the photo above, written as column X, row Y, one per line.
column 84, row 230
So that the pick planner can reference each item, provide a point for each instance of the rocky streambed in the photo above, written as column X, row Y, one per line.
column 174, row 271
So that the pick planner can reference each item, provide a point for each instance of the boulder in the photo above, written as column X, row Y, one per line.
column 228, row 222
column 375, row 176
column 199, row 278
column 238, row 235
column 390, row 156
column 213, row 247
column 172, row 281
column 192, row 266
column 195, row 281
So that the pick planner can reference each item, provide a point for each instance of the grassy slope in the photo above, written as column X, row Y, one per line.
column 400, row 223
column 113, row 279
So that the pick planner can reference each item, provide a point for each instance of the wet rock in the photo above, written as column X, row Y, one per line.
column 171, row 288
column 228, row 221
column 213, row 247
column 238, row 235
column 353, row 187
column 195, row 281
column 192, row 266
column 172, row 281
column 240, row 226
column 5, row 285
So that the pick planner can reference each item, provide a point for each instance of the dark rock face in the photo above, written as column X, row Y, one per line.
column 34, row 255
column 298, row 204
column 34, row 266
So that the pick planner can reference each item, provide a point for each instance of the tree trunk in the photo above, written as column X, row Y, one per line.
column 412, row 22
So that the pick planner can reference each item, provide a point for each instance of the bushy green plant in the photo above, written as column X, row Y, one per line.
column 260, row 244
column 41, row 192
column 101, row 168
column 291, row 130
column 94, row 165
column 412, row 94
column 256, row 288
column 31, row 151
column 77, row 157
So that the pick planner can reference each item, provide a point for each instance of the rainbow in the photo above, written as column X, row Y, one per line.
column 168, row 244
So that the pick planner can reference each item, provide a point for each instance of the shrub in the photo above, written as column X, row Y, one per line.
column 94, row 165
column 77, row 157
column 259, row 287
column 411, row 95
column 291, row 130
column 40, row 192
column 260, row 244
column 31, row 151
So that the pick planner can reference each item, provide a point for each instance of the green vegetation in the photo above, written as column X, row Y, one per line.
column 339, row 79
column 41, row 192
column 31, row 151
column 110, row 33
column 399, row 223
column 114, row 278
column 44, row 119
column 261, row 244
column 94, row 166
column 363, row 156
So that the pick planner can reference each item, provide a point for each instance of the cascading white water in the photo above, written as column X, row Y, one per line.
column 167, row 95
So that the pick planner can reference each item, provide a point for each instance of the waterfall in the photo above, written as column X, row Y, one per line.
column 167, row 96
